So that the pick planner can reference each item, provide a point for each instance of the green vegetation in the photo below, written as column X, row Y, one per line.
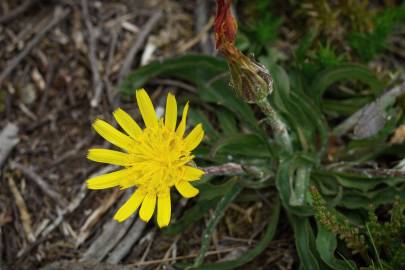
column 317, row 87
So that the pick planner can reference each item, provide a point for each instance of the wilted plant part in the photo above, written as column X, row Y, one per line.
column 399, row 135
column 155, row 159
column 251, row 80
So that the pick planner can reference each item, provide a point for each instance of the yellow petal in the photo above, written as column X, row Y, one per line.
column 186, row 189
column 127, row 123
column 112, row 135
column 171, row 112
column 108, row 156
column 182, row 126
column 130, row 206
column 108, row 180
column 194, row 138
column 191, row 173
column 164, row 209
column 146, row 108
column 148, row 207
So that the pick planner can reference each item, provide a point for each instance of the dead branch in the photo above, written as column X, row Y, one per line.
column 183, row 47
column 97, row 82
column 69, row 209
column 17, row 11
column 2, row 263
column 225, row 169
column 127, row 242
column 353, row 120
column 40, row 182
column 139, row 41
column 201, row 15
column 376, row 172
column 190, row 256
column 105, row 205
column 59, row 15
column 111, row 235
column 8, row 139
column 108, row 85
column 88, row 265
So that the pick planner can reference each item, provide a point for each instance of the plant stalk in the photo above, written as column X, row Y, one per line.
column 274, row 120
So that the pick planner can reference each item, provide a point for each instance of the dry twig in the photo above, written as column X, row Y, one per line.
column 127, row 242
column 17, row 11
column 88, row 265
column 201, row 15
column 97, row 82
column 225, row 169
column 190, row 256
column 183, row 47
column 105, row 205
column 40, row 182
column 59, row 15
column 353, row 120
column 61, row 215
column 111, row 235
column 139, row 41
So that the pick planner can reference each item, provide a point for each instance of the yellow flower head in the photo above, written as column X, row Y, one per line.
column 155, row 158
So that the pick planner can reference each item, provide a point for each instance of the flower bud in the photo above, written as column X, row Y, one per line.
column 251, row 80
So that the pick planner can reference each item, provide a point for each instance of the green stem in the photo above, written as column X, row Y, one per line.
column 273, row 119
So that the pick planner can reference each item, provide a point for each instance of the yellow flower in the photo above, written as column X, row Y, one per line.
column 155, row 158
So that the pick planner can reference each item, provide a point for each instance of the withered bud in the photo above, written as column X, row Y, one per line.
column 251, row 80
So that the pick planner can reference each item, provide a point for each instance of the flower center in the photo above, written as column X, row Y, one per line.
column 158, row 158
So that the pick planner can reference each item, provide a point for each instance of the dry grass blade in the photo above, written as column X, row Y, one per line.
column 399, row 135
column 22, row 208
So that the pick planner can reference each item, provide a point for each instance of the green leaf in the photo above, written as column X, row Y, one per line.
column 191, row 216
column 250, row 145
column 198, row 116
column 305, row 44
column 303, row 238
column 362, row 183
column 216, row 90
column 192, row 68
column 210, row 191
column 227, row 121
column 324, row 79
column 209, row 74
column 285, row 179
column 326, row 244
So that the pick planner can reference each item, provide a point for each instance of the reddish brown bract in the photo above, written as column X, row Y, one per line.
column 225, row 25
